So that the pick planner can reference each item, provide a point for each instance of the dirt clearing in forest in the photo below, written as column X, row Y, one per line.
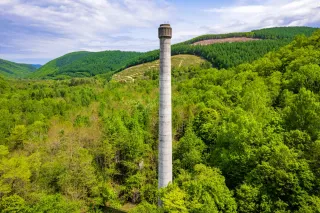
column 224, row 40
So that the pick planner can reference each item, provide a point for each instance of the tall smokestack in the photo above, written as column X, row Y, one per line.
column 165, row 111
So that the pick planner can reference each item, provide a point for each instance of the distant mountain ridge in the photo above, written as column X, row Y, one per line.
column 37, row 66
column 84, row 64
column 222, row 55
column 266, row 33
column 225, row 55
column 10, row 69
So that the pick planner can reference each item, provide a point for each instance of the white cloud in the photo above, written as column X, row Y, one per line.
column 68, row 25
column 88, row 17
column 240, row 9
column 244, row 15
column 43, row 29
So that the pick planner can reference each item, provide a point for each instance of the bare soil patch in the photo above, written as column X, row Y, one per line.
column 224, row 40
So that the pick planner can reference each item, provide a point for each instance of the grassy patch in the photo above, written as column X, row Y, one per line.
column 137, row 72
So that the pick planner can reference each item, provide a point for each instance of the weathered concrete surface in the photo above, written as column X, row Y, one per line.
column 165, row 110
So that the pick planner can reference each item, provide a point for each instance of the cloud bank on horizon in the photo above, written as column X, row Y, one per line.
column 36, row 31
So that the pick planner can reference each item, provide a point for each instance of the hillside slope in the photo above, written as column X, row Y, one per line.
column 145, row 71
column 225, row 55
column 245, row 139
column 221, row 55
column 84, row 64
column 16, row 70
column 266, row 33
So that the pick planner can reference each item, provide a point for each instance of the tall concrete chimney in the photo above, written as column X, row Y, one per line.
column 165, row 111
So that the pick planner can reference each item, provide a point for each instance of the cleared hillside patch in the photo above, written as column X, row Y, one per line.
column 137, row 72
column 224, row 40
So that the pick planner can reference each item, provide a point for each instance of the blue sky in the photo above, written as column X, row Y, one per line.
column 36, row 31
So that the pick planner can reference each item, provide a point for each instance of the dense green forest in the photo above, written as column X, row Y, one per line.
column 84, row 64
column 267, row 33
column 225, row 55
column 246, row 139
column 15, row 70
column 283, row 32
column 222, row 55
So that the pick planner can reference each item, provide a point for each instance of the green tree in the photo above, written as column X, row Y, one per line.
column 14, row 175
column 202, row 190
column 174, row 199
column 15, row 204
column 55, row 204
column 145, row 207
column 303, row 113
column 280, row 184
column 189, row 151
column 17, row 137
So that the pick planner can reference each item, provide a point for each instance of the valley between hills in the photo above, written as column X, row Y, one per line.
column 80, row 133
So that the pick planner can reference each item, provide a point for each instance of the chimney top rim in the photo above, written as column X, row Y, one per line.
column 164, row 25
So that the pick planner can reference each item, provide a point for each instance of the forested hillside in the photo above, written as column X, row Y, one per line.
column 283, row 32
column 246, row 139
column 222, row 55
column 84, row 64
column 225, row 55
column 15, row 70
column 151, row 69
column 267, row 33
